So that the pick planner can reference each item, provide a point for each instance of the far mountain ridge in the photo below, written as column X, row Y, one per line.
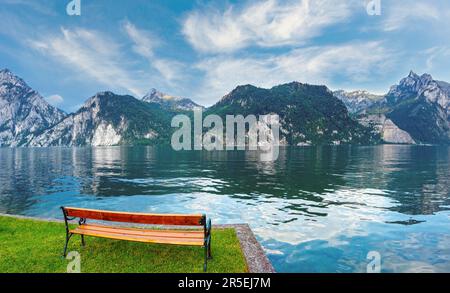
column 359, row 100
column 414, row 111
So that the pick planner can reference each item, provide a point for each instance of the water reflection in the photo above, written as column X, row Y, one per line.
column 314, row 209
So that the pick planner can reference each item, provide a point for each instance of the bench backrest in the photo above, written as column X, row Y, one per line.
column 138, row 218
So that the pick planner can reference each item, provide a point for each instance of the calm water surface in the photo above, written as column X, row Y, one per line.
column 313, row 210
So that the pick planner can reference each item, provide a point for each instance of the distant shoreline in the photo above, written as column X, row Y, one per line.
column 281, row 146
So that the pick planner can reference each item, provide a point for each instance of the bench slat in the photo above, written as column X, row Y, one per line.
column 138, row 218
column 141, row 238
column 141, row 232
column 194, row 231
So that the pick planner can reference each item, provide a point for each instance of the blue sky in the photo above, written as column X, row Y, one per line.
column 204, row 49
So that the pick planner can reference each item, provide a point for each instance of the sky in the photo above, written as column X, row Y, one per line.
column 204, row 49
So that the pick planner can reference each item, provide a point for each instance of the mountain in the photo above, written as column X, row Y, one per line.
column 23, row 112
column 386, row 128
column 420, row 106
column 417, row 110
column 309, row 114
column 357, row 101
column 419, row 87
column 169, row 102
column 109, row 119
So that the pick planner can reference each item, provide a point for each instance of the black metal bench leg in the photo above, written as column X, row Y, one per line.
column 209, row 248
column 205, row 265
column 67, row 243
column 208, row 255
column 83, row 243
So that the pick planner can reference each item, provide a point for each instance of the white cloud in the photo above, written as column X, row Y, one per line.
column 106, row 60
column 91, row 53
column 403, row 13
column 54, row 100
column 145, row 44
column 353, row 62
column 171, row 70
column 44, row 8
column 436, row 53
column 434, row 60
column 268, row 23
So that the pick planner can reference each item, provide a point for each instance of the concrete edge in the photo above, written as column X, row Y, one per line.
column 254, row 254
column 32, row 218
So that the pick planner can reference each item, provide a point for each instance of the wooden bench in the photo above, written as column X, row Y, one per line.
column 174, row 236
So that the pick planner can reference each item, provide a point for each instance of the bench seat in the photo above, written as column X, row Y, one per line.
column 201, row 237
column 177, row 237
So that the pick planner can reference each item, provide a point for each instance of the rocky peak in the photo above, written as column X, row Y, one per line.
column 23, row 112
column 358, row 94
column 414, row 82
column 420, row 105
column 413, row 75
column 6, row 74
column 12, row 86
column 155, row 96
column 415, row 86
column 357, row 101
column 95, row 103
column 8, row 78
column 169, row 102
column 413, row 79
column 97, row 98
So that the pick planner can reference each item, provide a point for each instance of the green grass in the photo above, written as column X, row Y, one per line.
column 36, row 247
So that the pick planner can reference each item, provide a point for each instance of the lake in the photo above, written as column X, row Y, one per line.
column 315, row 209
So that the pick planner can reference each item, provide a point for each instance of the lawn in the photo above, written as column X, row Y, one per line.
column 36, row 247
